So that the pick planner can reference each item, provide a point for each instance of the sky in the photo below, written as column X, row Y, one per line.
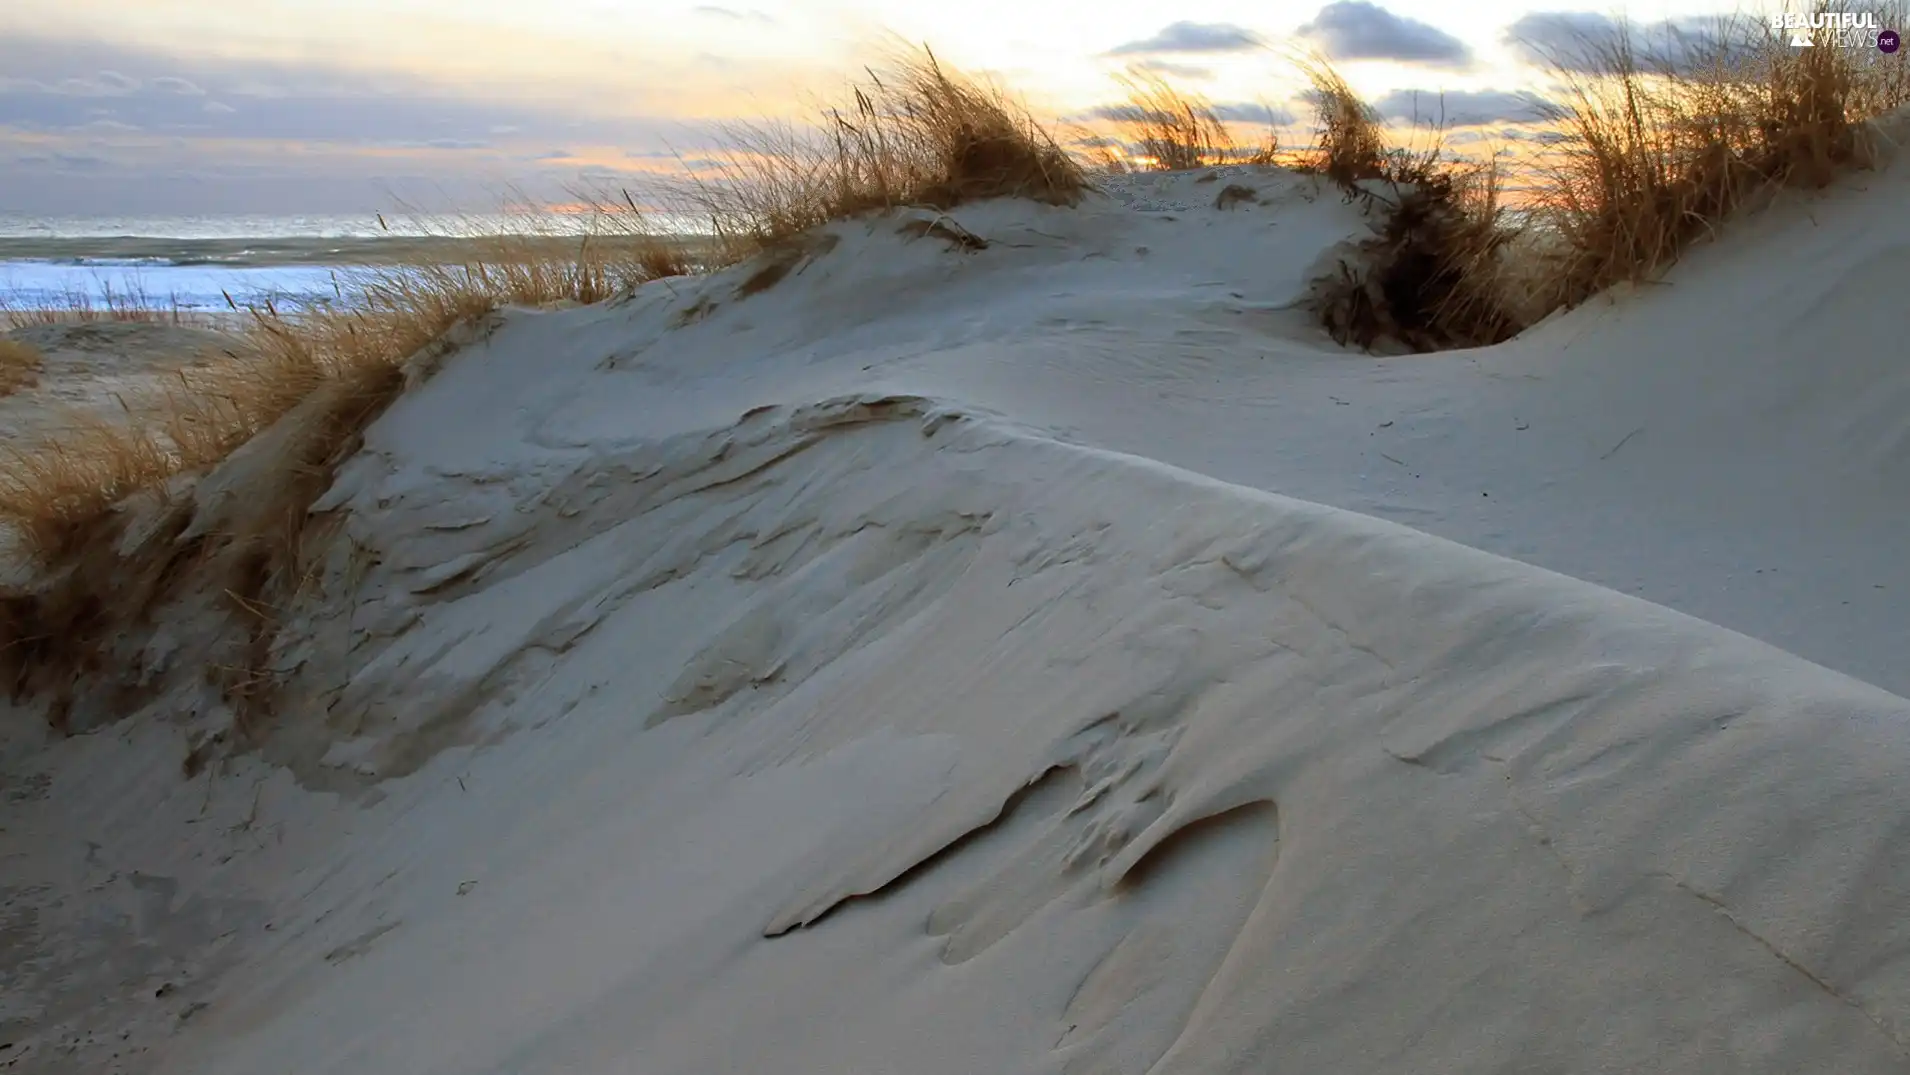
column 162, row 107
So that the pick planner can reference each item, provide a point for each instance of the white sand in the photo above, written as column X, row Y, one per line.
column 945, row 663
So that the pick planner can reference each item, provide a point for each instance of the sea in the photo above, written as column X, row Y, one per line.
column 211, row 263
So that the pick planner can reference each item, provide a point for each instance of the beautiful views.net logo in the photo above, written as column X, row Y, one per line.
column 1839, row 29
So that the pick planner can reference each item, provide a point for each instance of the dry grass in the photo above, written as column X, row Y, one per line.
column 1169, row 129
column 1659, row 147
column 585, row 256
column 914, row 133
column 1435, row 275
column 19, row 366
column 1350, row 143
column 48, row 493
column 1659, row 152
column 1432, row 276
column 101, row 505
column 129, row 539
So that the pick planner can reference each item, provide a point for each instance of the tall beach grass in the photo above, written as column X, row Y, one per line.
column 1661, row 142
column 1163, row 127
column 914, row 131
column 19, row 366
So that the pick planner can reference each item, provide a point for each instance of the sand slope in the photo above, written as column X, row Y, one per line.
column 897, row 670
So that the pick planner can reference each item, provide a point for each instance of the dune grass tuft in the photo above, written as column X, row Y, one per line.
column 1660, row 146
column 19, row 366
column 1169, row 129
column 915, row 132
column 1350, row 143
column 1432, row 276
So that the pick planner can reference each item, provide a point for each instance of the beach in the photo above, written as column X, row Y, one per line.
column 193, row 263
column 204, row 265
column 1006, row 618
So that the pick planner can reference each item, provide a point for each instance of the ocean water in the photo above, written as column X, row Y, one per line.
column 189, row 262
column 196, row 263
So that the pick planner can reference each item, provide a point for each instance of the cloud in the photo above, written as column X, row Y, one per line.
column 1254, row 112
column 1566, row 37
column 1176, row 70
column 80, row 162
column 1228, row 111
column 103, row 84
column 745, row 15
column 160, row 94
column 1461, row 108
column 1182, row 37
column 64, row 83
column 1119, row 113
column 1574, row 40
column 1358, row 30
column 57, row 161
column 84, row 123
column 180, row 86
column 80, row 174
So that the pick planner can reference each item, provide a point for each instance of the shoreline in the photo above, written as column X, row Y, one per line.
column 161, row 252
column 199, row 275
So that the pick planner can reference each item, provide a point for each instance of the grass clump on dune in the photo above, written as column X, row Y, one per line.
column 1168, row 129
column 1432, row 276
column 19, row 366
column 1660, row 146
column 1350, row 143
column 915, row 132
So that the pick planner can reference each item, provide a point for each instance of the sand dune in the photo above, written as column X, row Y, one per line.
column 1047, row 653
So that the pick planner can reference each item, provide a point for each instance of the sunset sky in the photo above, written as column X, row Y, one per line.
column 287, row 106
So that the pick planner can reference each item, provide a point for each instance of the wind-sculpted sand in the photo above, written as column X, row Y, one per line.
column 927, row 662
